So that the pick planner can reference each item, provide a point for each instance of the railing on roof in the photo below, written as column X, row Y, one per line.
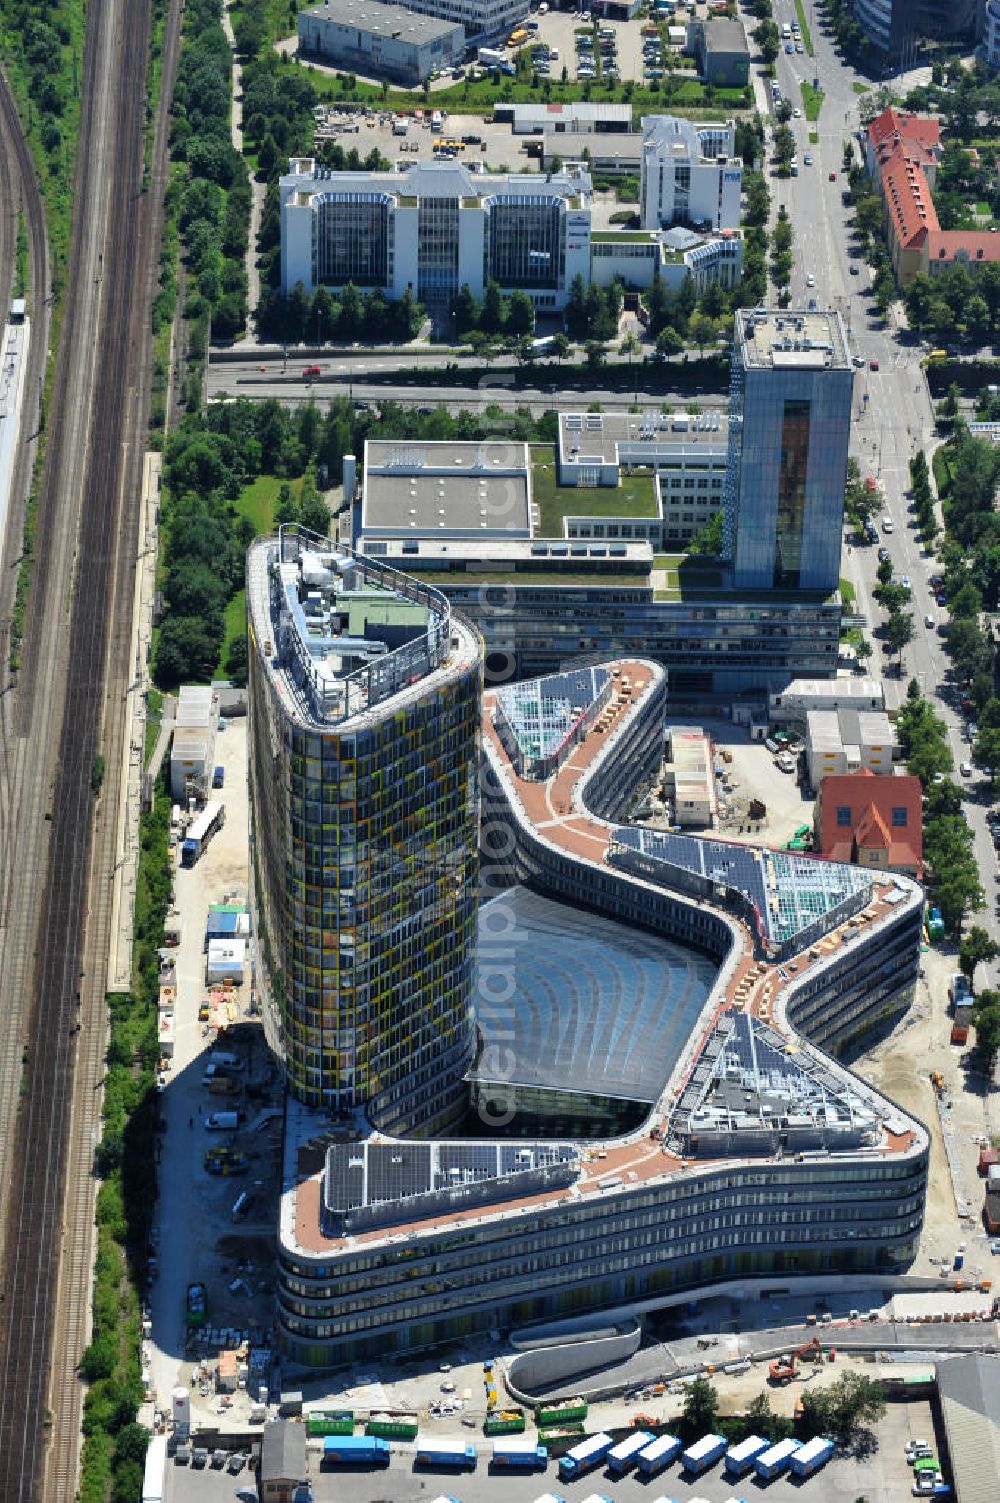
column 353, row 693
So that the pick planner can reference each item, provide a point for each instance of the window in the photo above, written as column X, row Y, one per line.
column 844, row 814
column 899, row 817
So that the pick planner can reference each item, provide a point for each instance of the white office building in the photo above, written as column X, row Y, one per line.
column 434, row 228
column 690, row 173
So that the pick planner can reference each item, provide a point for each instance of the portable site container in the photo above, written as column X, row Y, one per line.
column 356, row 1450
column 585, row 1456
column 810, row 1457
column 625, row 1454
column 776, row 1459
column 519, row 1451
column 700, row 1456
column 442, row 1452
column 742, row 1457
column 658, row 1454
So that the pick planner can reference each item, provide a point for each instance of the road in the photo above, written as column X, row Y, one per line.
column 897, row 417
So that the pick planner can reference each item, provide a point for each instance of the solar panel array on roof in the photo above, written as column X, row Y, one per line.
column 791, row 893
column 368, row 1184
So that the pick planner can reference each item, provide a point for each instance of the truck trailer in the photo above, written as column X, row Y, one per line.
column 623, row 1456
column 356, row 1450
column 658, row 1454
column 703, row 1454
column 741, row 1458
column 585, row 1456
column 810, row 1457
column 155, row 1469
column 519, row 1451
column 439, row 1452
column 775, row 1460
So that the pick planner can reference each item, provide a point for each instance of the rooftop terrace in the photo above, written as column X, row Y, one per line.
column 341, row 633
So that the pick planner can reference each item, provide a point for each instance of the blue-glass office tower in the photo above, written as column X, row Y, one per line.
column 790, row 423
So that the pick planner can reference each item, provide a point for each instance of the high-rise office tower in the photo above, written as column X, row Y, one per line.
column 896, row 29
column 790, row 421
column 365, row 695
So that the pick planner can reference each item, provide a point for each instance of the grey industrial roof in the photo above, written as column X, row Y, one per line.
column 970, row 1403
column 477, row 489
column 283, row 1452
column 384, row 20
column 772, row 338
column 595, row 1005
column 723, row 35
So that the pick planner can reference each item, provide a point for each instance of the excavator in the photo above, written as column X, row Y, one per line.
column 783, row 1368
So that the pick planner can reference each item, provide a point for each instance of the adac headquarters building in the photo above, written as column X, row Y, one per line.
column 364, row 714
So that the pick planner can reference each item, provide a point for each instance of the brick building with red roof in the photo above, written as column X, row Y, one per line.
column 871, row 821
column 902, row 153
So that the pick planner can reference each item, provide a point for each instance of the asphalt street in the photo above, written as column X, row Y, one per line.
column 893, row 411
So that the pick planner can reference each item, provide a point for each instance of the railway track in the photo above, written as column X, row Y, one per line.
column 69, row 703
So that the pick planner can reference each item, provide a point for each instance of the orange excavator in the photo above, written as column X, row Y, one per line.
column 784, row 1368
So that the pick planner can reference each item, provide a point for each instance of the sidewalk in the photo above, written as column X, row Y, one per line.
column 257, row 190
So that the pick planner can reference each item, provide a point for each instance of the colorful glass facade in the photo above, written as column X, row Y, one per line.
column 363, row 842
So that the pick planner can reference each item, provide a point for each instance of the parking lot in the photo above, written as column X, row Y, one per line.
column 881, row 1477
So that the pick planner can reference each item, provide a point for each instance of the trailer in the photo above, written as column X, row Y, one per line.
column 810, row 1457
column 519, row 1451
column 330, row 1422
column 560, row 1414
column 742, row 1457
column 658, row 1454
column 489, row 57
column 439, row 1452
column 775, row 1460
column 356, row 1450
column 623, row 1456
column 200, row 831
column 156, row 1466
column 393, row 1426
column 703, row 1454
column 586, row 1455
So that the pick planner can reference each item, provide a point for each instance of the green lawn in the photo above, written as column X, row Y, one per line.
column 257, row 501
column 847, row 594
column 812, row 101
column 983, row 209
column 860, row 88
column 634, row 497
column 154, row 715
column 235, row 626
column 807, row 40
column 479, row 96
column 527, row 578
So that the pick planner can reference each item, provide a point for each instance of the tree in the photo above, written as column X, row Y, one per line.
column 709, row 539
column 976, row 948
column 701, row 1406
column 668, row 341
column 762, row 1420
column 520, row 313
column 491, row 319
column 702, row 330
column 986, row 1022
column 768, row 40
column 843, row 1407
column 630, row 346
column 595, row 354
column 900, row 631
column 560, row 347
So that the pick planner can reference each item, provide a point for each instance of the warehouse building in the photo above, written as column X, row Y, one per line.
column 381, row 41
column 792, row 705
column 721, row 52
